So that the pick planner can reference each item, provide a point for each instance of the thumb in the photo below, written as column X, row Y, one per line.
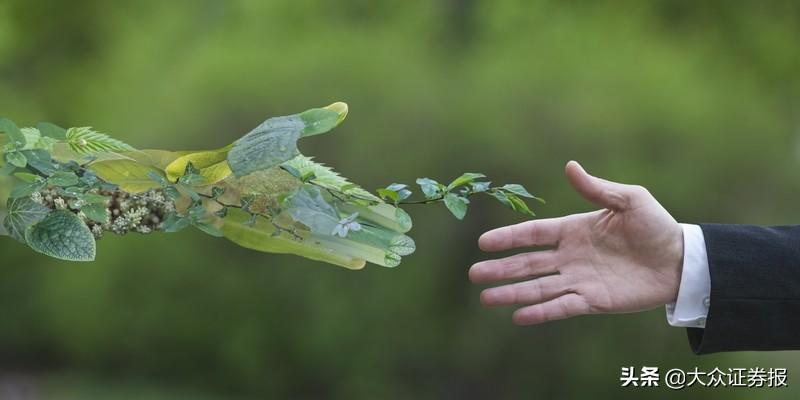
column 607, row 194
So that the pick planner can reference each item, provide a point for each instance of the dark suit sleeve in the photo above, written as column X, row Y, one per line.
column 755, row 289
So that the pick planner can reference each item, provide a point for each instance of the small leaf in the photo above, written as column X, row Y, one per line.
column 158, row 178
column 211, row 165
column 96, row 212
column 518, row 190
column 430, row 187
column 62, row 235
column 519, row 205
column 22, row 213
column 15, row 136
column 480, row 187
column 26, row 189
column 464, row 179
column 172, row 192
column 175, row 223
column 26, row 177
column 388, row 194
column 17, row 159
column 52, row 130
column 84, row 140
column 92, row 198
column 222, row 212
column 41, row 161
column 63, row 178
column 456, row 204
column 209, row 229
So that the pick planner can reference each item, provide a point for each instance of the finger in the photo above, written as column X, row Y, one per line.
column 525, row 265
column 542, row 232
column 567, row 306
column 606, row 194
column 529, row 292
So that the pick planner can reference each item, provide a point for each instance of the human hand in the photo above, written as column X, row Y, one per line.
column 626, row 257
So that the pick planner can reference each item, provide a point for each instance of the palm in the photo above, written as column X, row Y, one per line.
column 623, row 258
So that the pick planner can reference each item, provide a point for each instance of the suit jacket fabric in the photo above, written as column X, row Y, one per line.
column 755, row 289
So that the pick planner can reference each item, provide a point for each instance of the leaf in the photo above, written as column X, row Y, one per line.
column 308, row 207
column 52, row 130
column 3, row 231
column 275, row 140
column 175, row 223
column 430, row 187
column 456, row 204
column 97, row 212
column 22, row 213
column 464, row 179
column 390, row 195
column 84, row 140
column 519, row 205
column 326, row 177
column 130, row 176
column 62, row 235
column 17, row 159
column 209, row 229
column 518, row 190
column 212, row 165
column 26, row 177
column 261, row 236
column 41, row 161
column 26, row 189
column 63, row 178
column 15, row 136
column 480, row 187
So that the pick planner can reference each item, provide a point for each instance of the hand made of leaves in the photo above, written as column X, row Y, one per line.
column 71, row 186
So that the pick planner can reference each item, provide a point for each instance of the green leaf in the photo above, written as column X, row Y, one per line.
column 211, row 165
column 430, row 188
column 97, row 212
column 84, row 140
column 22, row 213
column 480, row 187
column 175, row 223
column 3, row 230
column 63, row 179
column 261, row 236
column 17, row 159
column 62, row 235
column 308, row 206
column 15, row 137
column 92, row 198
column 326, row 177
column 40, row 160
column 519, row 205
column 129, row 175
column 52, row 130
column 26, row 177
column 209, row 229
column 464, row 179
column 388, row 194
column 518, row 190
column 456, row 204
column 275, row 140
column 26, row 189
column 501, row 197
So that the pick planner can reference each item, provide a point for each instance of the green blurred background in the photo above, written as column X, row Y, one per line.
column 698, row 101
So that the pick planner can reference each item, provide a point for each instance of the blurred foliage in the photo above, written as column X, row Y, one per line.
column 698, row 101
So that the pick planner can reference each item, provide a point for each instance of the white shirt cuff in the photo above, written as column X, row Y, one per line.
column 694, row 295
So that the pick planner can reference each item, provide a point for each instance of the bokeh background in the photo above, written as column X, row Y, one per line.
column 698, row 101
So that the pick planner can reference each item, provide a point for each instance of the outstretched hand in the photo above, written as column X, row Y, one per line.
column 625, row 257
